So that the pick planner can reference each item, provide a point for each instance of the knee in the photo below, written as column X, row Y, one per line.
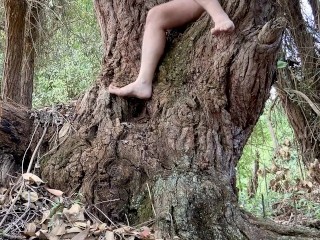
column 156, row 17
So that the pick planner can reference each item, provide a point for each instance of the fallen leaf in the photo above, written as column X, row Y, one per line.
column 45, row 216
column 102, row 227
column 74, row 230
column 33, row 196
column 32, row 178
column 94, row 226
column 119, row 230
column 3, row 190
column 59, row 230
column 52, row 237
column 82, row 235
column 42, row 235
column 145, row 232
column 64, row 130
column 109, row 235
column 82, row 225
column 75, row 213
column 75, row 209
column 30, row 229
column 2, row 199
column 55, row 192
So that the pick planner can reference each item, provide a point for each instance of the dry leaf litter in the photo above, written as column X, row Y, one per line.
column 30, row 210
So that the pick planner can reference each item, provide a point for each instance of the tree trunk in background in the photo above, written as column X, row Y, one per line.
column 31, row 39
column 186, row 141
column 15, row 11
column 315, row 6
column 304, row 79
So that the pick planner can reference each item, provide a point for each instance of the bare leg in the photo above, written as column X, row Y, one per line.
column 218, row 15
column 160, row 18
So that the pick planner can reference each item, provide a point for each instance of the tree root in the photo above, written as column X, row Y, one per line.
column 279, row 231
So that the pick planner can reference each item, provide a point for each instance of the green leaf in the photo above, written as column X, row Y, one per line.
column 281, row 64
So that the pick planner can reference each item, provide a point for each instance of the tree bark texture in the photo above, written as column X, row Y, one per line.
column 306, row 79
column 315, row 6
column 15, row 127
column 15, row 11
column 31, row 38
column 186, row 141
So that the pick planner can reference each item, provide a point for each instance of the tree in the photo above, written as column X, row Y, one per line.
column 185, row 142
column 299, row 84
column 15, row 12
column 22, row 20
column 21, row 28
column 31, row 38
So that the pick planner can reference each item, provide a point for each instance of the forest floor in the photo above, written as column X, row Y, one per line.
column 31, row 210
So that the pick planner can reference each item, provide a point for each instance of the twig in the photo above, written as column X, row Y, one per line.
column 105, row 216
column 271, row 130
column 154, row 211
column 37, row 148
column 314, row 107
column 13, row 202
column 263, row 206
column 127, row 220
column 20, row 218
column 145, row 223
column 113, row 200
column 21, row 178
column 295, row 210
column 92, row 216
column 265, row 179
column 11, row 237
column 32, row 136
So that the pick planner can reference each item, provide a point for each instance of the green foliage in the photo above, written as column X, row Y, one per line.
column 281, row 64
column 260, row 142
column 69, row 60
column 281, row 188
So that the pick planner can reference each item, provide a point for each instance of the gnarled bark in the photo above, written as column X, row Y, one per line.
column 186, row 141
column 15, row 127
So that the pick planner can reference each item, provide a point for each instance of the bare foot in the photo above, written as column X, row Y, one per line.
column 223, row 26
column 136, row 89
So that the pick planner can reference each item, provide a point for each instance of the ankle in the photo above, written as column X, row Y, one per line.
column 143, row 81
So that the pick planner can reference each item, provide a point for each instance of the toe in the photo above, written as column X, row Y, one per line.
column 215, row 31
column 113, row 89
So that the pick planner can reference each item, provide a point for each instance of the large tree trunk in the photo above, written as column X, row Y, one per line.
column 185, row 142
column 15, row 11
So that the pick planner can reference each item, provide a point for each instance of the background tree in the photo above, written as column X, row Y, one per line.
column 299, row 84
column 22, row 25
column 30, row 45
column 15, row 12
